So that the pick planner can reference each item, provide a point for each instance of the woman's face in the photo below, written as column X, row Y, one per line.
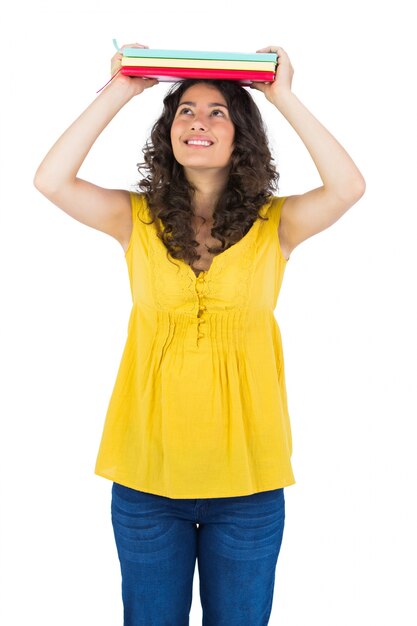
column 202, row 132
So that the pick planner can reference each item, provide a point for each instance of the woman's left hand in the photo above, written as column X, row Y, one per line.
column 281, row 85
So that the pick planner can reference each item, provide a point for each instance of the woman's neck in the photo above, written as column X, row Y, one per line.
column 208, row 189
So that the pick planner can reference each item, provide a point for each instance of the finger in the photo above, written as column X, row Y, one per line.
column 120, row 54
column 268, row 49
column 133, row 45
column 258, row 85
column 275, row 49
column 116, row 63
column 150, row 82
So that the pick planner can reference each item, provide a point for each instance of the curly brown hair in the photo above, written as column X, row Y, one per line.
column 252, row 176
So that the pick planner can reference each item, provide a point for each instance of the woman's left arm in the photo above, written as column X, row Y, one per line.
column 307, row 214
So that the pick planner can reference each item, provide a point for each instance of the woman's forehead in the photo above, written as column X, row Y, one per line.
column 203, row 91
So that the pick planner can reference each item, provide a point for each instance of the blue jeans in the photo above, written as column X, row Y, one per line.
column 236, row 545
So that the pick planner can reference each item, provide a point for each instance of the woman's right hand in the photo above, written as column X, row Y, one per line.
column 137, row 84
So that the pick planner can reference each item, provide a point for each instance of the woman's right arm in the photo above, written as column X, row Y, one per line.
column 56, row 178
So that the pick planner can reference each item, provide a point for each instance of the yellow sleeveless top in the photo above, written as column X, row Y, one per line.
column 199, row 406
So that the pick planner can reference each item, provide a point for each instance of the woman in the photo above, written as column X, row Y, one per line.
column 197, row 438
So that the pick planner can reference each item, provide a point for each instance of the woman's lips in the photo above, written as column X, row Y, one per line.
column 200, row 142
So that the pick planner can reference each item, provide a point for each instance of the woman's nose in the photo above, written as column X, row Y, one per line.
column 198, row 123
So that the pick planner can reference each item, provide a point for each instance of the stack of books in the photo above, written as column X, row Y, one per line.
column 174, row 65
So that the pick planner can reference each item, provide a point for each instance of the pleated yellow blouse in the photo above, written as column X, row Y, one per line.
column 199, row 406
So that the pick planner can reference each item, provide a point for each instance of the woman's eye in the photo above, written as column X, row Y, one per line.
column 186, row 110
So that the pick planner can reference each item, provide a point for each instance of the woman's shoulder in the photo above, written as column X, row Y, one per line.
column 272, row 206
column 138, row 198
column 140, row 207
column 277, row 199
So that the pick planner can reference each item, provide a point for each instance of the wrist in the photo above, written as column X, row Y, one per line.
column 280, row 101
column 122, row 88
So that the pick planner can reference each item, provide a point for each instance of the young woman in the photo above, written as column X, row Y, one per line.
column 197, row 438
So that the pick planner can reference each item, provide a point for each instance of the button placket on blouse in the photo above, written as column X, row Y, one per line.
column 200, row 287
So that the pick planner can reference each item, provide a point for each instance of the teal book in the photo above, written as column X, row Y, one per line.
column 196, row 54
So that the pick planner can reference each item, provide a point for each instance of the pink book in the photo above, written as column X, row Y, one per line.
column 172, row 74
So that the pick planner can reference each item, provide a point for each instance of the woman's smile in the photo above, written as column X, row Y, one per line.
column 198, row 144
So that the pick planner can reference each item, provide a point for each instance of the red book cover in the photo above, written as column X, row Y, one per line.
column 171, row 74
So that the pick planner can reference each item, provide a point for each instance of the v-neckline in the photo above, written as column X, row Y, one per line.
column 263, row 210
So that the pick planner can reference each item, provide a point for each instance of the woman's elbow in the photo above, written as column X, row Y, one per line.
column 360, row 186
column 43, row 182
column 38, row 180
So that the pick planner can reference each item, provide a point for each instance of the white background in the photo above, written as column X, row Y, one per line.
column 346, row 310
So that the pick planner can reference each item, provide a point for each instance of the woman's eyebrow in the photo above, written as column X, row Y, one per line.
column 211, row 104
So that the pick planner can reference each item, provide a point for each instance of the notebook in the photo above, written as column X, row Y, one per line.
column 173, row 65
column 200, row 54
column 167, row 74
column 258, row 66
